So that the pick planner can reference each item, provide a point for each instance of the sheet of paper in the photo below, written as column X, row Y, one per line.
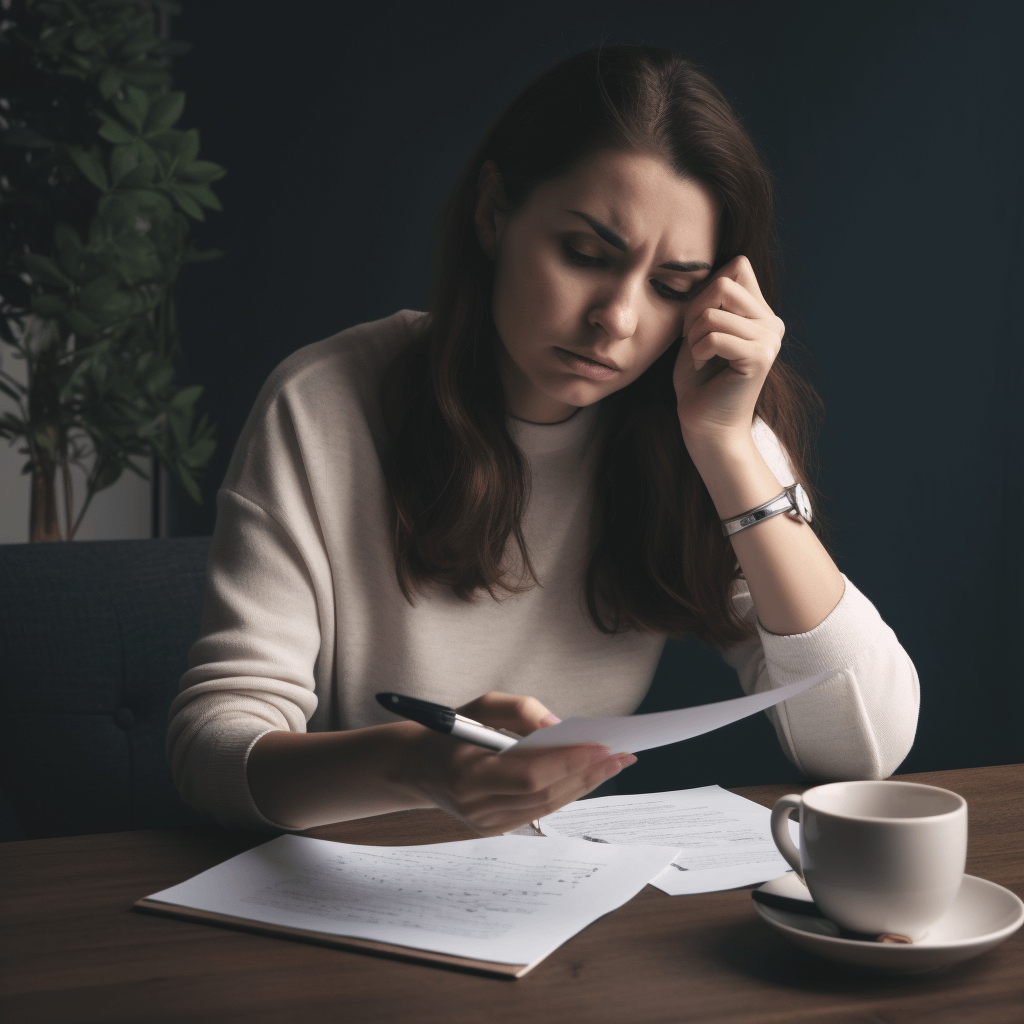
column 641, row 732
column 509, row 899
column 725, row 839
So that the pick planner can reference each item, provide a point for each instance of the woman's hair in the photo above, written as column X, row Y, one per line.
column 459, row 483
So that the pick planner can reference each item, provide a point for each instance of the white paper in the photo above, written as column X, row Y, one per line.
column 633, row 733
column 508, row 899
column 725, row 839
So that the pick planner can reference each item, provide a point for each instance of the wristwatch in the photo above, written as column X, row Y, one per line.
column 793, row 500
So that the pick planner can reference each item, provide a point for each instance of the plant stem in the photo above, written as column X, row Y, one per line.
column 43, row 524
column 70, row 526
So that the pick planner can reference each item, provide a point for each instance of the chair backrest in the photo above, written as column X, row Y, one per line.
column 93, row 639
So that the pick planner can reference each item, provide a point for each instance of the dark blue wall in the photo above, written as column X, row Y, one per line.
column 894, row 133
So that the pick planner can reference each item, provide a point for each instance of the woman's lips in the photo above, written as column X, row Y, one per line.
column 584, row 366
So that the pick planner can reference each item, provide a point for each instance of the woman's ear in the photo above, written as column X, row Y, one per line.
column 489, row 219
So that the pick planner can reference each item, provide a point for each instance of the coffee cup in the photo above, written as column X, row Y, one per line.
column 877, row 857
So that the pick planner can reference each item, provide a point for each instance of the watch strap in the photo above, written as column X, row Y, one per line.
column 780, row 503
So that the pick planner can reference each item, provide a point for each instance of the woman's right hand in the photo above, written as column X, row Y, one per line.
column 494, row 793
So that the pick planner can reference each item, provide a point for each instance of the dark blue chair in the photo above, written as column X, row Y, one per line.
column 93, row 640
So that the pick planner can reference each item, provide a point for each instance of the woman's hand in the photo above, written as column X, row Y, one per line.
column 493, row 793
column 730, row 340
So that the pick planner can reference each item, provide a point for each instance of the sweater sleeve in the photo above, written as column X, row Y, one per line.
column 858, row 724
column 861, row 722
column 252, row 669
column 263, row 660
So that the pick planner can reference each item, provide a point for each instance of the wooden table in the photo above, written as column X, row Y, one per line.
column 71, row 949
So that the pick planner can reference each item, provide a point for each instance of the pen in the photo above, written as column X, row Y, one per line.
column 448, row 720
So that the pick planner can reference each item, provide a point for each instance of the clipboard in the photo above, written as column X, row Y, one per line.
column 385, row 949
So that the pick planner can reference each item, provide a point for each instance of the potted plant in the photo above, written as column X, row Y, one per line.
column 97, row 187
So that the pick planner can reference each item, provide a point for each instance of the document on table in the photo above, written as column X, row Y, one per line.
column 633, row 733
column 725, row 839
column 508, row 900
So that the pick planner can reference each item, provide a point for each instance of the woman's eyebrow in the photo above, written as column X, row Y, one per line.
column 619, row 242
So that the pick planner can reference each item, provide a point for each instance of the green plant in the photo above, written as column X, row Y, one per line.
column 96, row 190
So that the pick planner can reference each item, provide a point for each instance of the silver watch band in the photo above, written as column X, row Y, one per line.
column 779, row 504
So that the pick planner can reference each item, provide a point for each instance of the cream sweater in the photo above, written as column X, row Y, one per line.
column 303, row 620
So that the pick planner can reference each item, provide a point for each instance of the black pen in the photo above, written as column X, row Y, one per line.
column 448, row 720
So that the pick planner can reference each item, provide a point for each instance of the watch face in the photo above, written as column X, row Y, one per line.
column 803, row 503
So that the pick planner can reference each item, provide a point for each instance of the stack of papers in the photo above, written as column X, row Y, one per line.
column 725, row 840
column 508, row 900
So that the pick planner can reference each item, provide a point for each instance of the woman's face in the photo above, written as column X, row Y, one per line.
column 591, row 277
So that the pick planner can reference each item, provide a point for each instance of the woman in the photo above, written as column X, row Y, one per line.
column 524, row 491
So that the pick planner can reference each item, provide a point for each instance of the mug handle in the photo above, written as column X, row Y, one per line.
column 780, row 831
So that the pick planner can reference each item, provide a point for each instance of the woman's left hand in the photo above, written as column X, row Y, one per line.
column 730, row 340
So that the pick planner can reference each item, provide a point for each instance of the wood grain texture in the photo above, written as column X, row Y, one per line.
column 71, row 948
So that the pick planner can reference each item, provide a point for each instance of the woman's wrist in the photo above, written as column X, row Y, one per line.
column 733, row 470
column 299, row 780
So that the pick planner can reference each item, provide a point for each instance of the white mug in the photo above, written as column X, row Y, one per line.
column 877, row 856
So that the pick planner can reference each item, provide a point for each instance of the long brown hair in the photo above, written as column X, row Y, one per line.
column 459, row 483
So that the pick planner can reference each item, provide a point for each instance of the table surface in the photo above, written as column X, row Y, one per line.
column 71, row 949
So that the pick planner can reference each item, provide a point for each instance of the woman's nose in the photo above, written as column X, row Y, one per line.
column 615, row 311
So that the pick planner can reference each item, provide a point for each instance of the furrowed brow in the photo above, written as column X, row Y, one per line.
column 686, row 268
column 605, row 232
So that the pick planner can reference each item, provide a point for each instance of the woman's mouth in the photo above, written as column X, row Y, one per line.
column 585, row 366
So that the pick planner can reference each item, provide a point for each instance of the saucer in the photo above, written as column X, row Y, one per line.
column 983, row 915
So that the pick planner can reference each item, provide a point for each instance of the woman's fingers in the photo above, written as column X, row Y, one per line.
column 725, row 322
column 518, row 714
column 492, row 815
column 493, row 792
column 724, row 317
column 749, row 358
column 729, row 295
column 512, row 774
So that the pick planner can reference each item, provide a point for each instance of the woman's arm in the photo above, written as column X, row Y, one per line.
column 732, row 338
column 306, row 779
column 861, row 722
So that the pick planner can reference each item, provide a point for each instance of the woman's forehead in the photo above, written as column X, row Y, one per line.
column 639, row 196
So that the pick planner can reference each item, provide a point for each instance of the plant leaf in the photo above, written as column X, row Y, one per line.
column 188, row 204
column 42, row 266
column 115, row 133
column 123, row 160
column 49, row 305
column 110, row 81
column 81, row 323
column 141, row 42
column 187, row 397
column 202, row 194
column 130, row 112
column 88, row 162
column 203, row 170
column 165, row 112
column 10, row 392
column 86, row 39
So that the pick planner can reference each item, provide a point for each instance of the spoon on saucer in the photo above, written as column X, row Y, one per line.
column 794, row 906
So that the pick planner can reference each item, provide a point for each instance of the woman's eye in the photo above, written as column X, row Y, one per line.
column 669, row 293
column 581, row 258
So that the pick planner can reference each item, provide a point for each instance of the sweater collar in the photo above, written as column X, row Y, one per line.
column 539, row 439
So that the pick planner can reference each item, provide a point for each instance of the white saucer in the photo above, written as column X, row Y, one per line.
column 983, row 915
